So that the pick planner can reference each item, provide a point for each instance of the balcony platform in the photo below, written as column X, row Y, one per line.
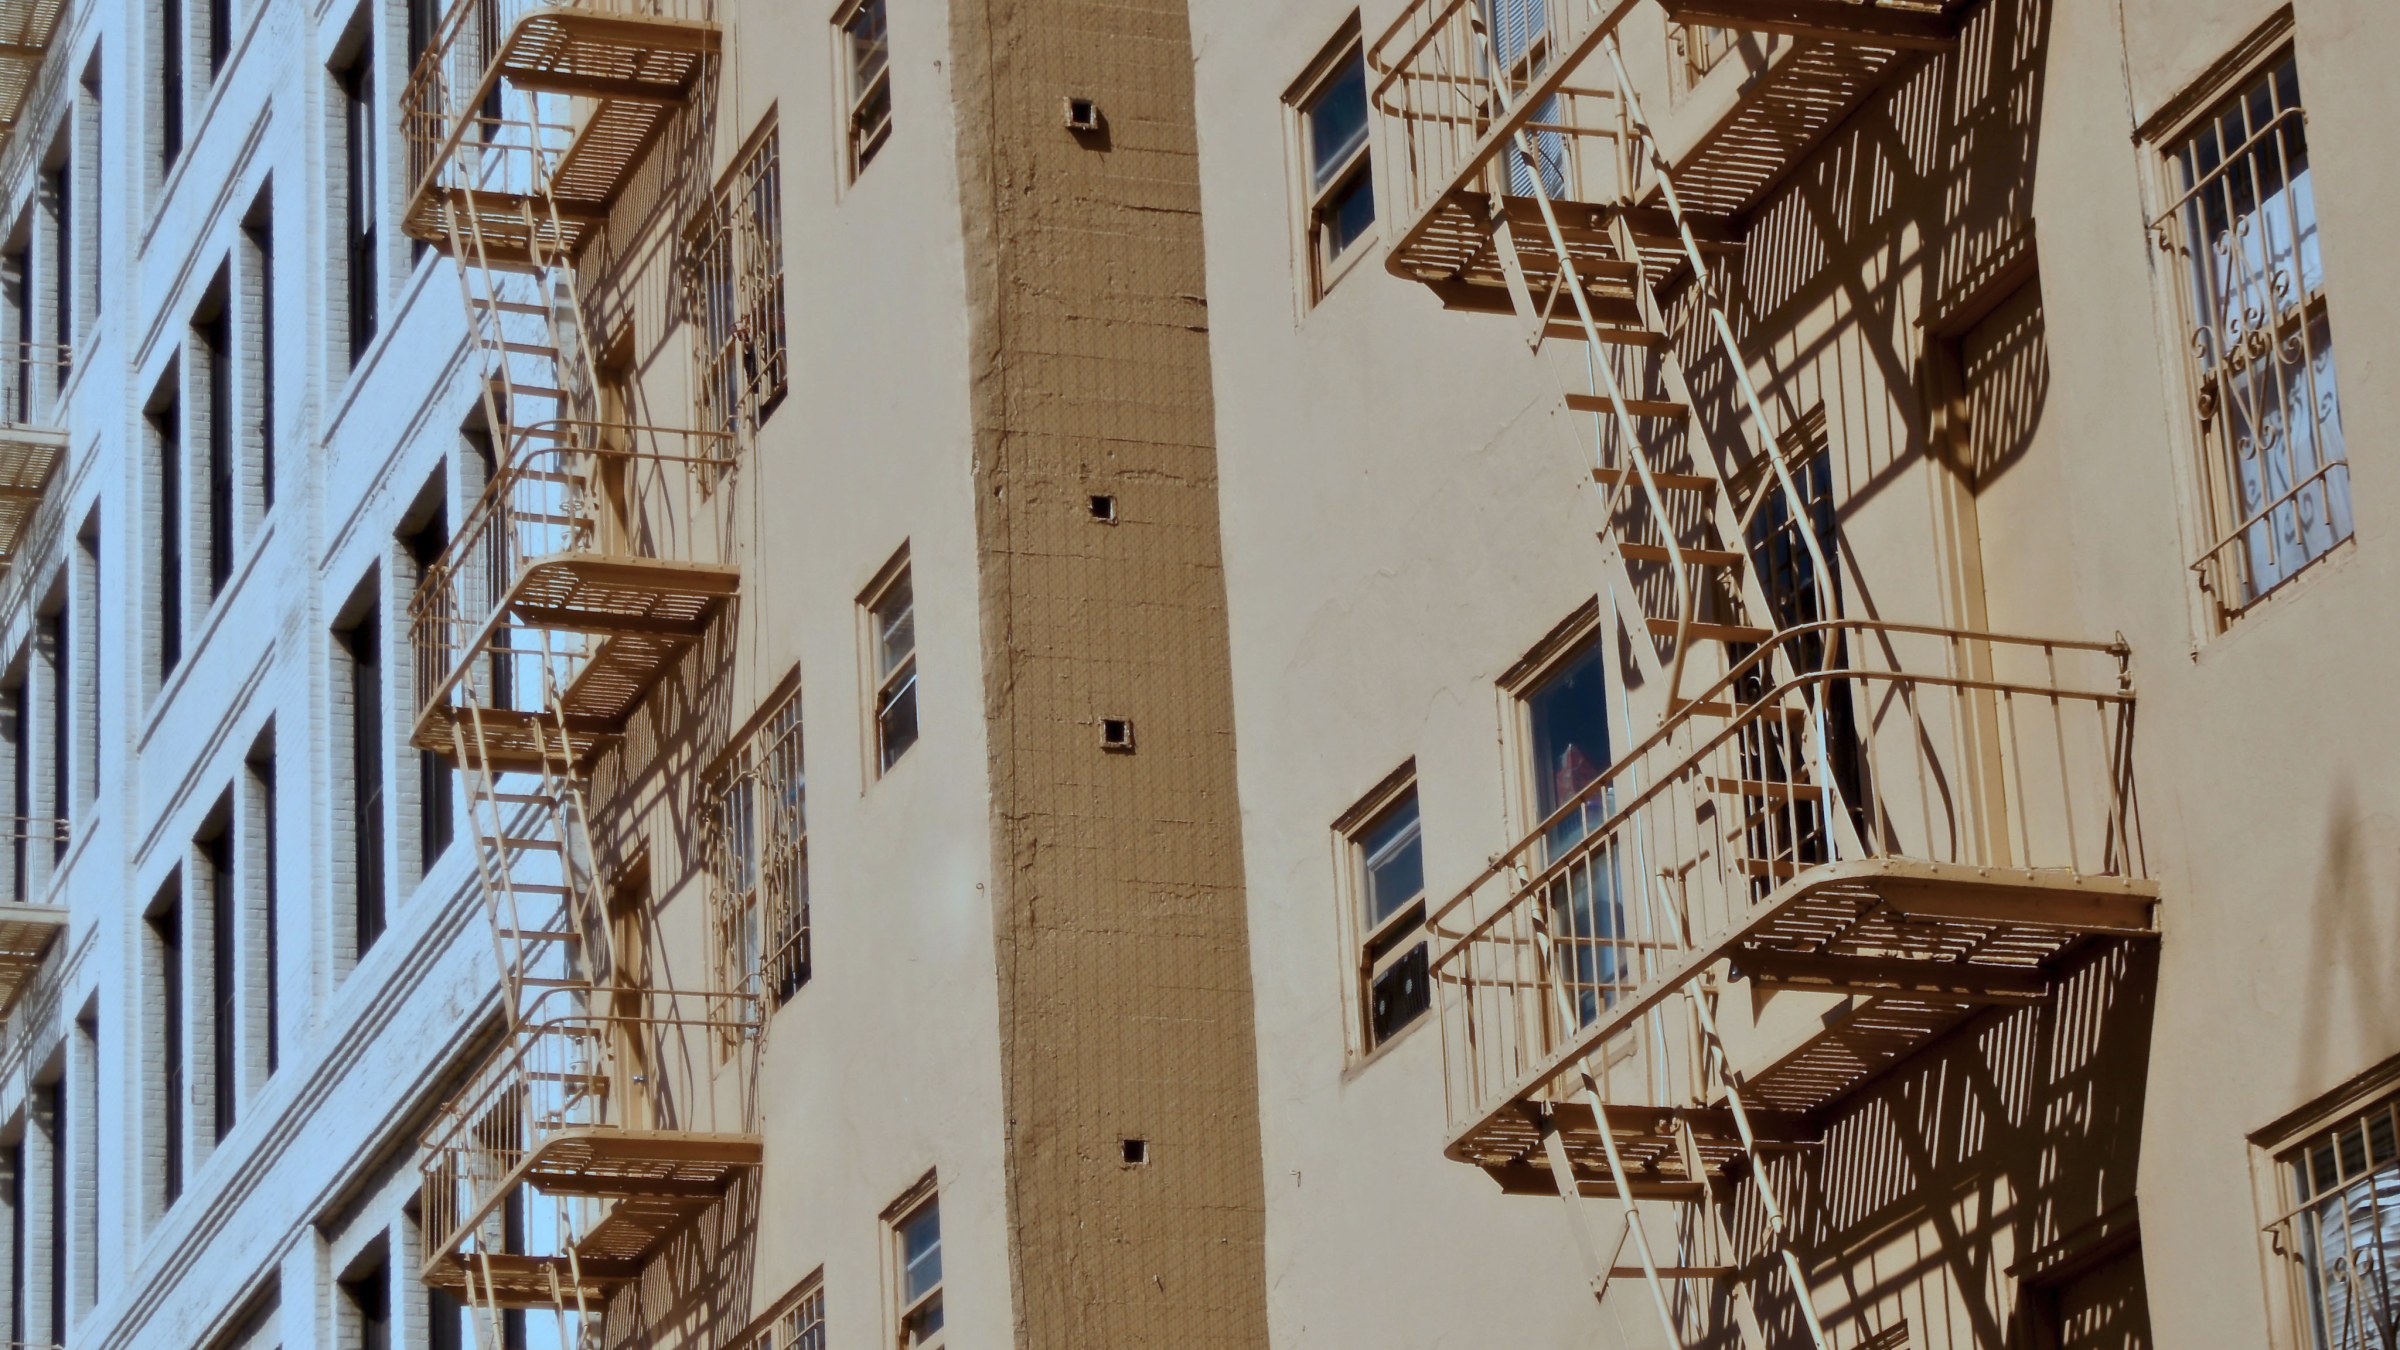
column 29, row 456
column 1914, row 947
column 26, row 932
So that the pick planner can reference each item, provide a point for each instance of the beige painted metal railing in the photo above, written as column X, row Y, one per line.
column 549, row 566
column 1939, row 746
column 593, row 1077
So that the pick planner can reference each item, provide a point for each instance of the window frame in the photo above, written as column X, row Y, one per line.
column 860, row 144
column 2221, row 583
column 920, row 1201
column 741, row 354
column 1373, row 947
column 1321, row 268
column 1561, row 647
column 761, row 937
column 2274, row 1152
column 886, row 687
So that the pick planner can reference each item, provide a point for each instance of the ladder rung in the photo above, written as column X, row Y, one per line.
column 537, row 935
column 535, row 390
column 1675, row 1272
column 1634, row 407
column 527, row 842
column 529, row 349
column 552, row 982
column 538, row 887
column 1667, row 482
column 1710, row 632
column 1696, row 557
column 520, row 798
column 508, row 306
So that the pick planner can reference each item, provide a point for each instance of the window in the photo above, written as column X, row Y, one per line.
column 2338, row 1234
column 1339, row 178
column 212, row 337
column 166, row 970
column 367, row 1305
column 759, row 859
column 424, row 547
column 16, row 717
column 357, row 81
column 1564, row 710
column 170, row 83
column 892, row 624
column 737, row 297
column 58, row 649
column 213, row 859
column 54, row 1147
column 361, row 647
column 220, row 35
column 262, row 813
column 867, row 67
column 258, row 350
column 2250, row 274
column 20, row 1256
column 917, row 1266
column 166, row 473
column 1387, row 859
column 58, row 202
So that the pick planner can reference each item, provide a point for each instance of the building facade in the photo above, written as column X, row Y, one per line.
column 723, row 673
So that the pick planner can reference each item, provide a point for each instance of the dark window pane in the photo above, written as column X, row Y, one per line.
column 1402, row 991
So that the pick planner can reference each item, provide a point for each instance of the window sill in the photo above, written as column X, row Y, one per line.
column 1360, row 1061
column 1324, row 283
column 2319, row 571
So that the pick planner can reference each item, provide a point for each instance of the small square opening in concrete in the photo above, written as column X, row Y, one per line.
column 1104, row 508
column 1082, row 114
column 1116, row 733
column 1135, row 1152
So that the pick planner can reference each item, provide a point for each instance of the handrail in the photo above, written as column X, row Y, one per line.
column 1940, row 747
column 548, row 499
column 1744, row 671
column 568, row 1071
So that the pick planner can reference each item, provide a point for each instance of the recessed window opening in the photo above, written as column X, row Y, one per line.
column 917, row 1256
column 170, row 83
column 1387, row 860
column 220, row 891
column 167, row 520
column 212, row 336
column 892, row 625
column 167, row 1042
column 359, row 647
column 2250, row 274
column 867, row 68
column 1565, row 729
column 1338, row 180
column 356, row 83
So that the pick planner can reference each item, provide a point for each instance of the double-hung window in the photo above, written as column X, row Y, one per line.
column 866, row 46
column 2258, row 343
column 760, row 867
column 1339, row 178
column 917, row 1263
column 1388, row 855
column 1564, row 706
column 892, row 634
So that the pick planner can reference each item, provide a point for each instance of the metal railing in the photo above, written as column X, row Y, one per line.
column 569, row 490
column 1454, row 88
column 453, row 82
column 1912, row 743
column 629, row 1062
column 32, row 376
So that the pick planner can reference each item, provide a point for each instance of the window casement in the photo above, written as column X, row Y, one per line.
column 1382, row 842
column 757, row 828
column 864, row 36
column 1560, row 697
column 736, row 294
column 360, row 238
column 2334, row 1238
column 2249, row 276
column 1337, row 178
column 915, row 1225
column 891, row 611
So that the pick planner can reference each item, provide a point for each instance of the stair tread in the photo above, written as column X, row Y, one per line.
column 1697, row 557
column 1634, row 407
column 1667, row 482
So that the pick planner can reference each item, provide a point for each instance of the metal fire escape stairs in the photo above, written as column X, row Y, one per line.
column 1596, row 280
column 529, row 693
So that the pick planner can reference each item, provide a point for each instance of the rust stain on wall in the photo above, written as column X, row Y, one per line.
column 1124, row 976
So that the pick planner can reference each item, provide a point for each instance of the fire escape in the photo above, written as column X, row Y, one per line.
column 1888, row 827
column 610, row 1113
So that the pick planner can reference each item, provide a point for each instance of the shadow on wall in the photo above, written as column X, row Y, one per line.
column 1982, row 1187
column 1908, row 225
column 697, row 1291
